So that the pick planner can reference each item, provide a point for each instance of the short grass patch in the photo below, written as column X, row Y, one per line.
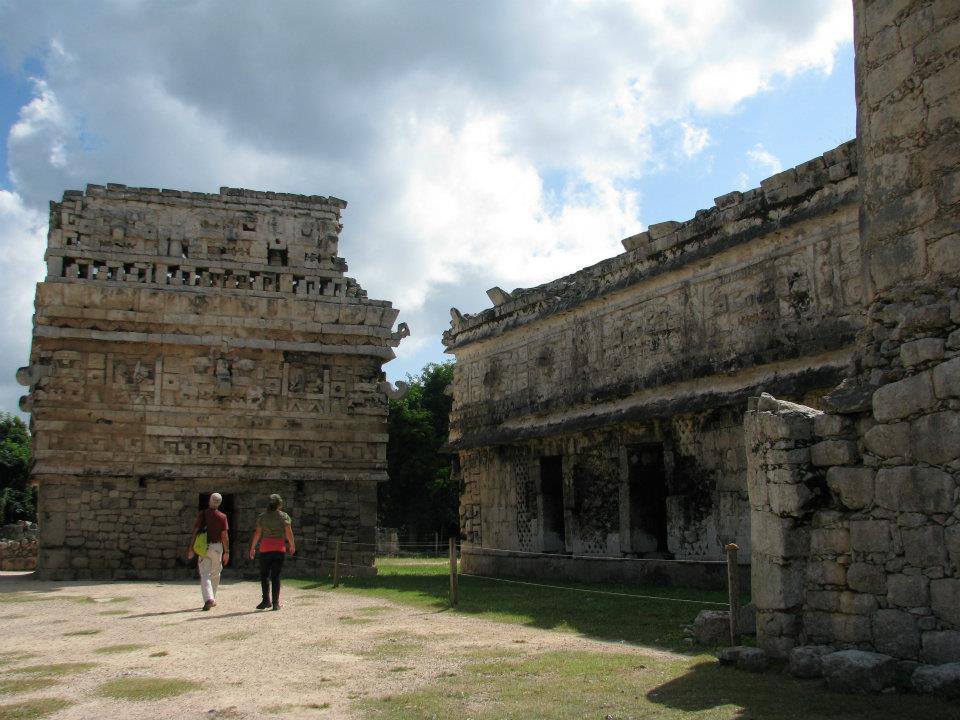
column 235, row 636
column 371, row 610
column 81, row 633
column 286, row 708
column 89, row 600
column 15, row 686
column 159, row 653
column 392, row 649
column 146, row 688
column 573, row 685
column 32, row 709
column 121, row 648
column 6, row 658
column 350, row 620
column 21, row 597
column 117, row 611
column 55, row 669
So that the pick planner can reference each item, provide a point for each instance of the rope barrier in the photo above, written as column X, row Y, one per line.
column 595, row 592
column 611, row 593
column 598, row 557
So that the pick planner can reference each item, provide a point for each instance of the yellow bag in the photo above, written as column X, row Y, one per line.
column 200, row 544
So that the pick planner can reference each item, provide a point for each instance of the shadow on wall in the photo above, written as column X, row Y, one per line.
column 773, row 695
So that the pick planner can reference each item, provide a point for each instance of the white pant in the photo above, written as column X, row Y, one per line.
column 210, row 567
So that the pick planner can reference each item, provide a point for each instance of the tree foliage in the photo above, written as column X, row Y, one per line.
column 18, row 500
column 421, row 498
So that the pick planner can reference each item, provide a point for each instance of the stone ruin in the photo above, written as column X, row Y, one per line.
column 620, row 411
column 186, row 343
column 602, row 413
column 18, row 546
column 855, row 509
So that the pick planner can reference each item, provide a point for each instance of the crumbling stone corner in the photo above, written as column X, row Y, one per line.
column 783, row 486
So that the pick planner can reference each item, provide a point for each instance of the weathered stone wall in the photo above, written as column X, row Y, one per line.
column 706, row 503
column 872, row 558
column 186, row 343
column 659, row 346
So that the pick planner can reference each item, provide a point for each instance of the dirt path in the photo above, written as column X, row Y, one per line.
column 320, row 654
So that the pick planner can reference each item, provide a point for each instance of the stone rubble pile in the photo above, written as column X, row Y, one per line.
column 18, row 546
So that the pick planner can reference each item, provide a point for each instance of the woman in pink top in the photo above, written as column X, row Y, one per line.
column 275, row 537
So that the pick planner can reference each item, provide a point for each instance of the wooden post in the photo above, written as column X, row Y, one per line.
column 453, row 571
column 336, row 564
column 733, row 589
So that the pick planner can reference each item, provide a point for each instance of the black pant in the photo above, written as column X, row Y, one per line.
column 271, row 563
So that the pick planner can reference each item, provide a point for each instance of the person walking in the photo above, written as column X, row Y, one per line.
column 275, row 536
column 218, row 548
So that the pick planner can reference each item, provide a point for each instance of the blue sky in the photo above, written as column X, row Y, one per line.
column 501, row 143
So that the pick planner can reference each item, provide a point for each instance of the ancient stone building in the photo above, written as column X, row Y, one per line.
column 186, row 343
column 607, row 412
column 602, row 413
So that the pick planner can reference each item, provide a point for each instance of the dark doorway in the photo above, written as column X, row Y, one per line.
column 551, row 489
column 648, row 499
column 226, row 507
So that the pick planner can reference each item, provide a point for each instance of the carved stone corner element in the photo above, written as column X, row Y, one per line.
column 26, row 403
column 29, row 375
column 498, row 296
column 395, row 394
column 456, row 319
column 403, row 330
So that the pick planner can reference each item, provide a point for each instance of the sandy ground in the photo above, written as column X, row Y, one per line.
column 317, row 657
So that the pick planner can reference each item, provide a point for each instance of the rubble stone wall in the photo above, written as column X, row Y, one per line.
column 868, row 555
column 186, row 343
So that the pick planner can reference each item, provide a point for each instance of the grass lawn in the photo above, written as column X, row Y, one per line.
column 584, row 684
column 425, row 583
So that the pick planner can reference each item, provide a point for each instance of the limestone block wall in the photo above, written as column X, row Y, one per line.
column 856, row 529
column 870, row 556
column 186, row 343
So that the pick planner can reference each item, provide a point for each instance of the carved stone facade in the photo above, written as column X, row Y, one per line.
column 603, row 412
column 186, row 343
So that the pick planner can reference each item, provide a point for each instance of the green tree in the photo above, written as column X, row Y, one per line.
column 18, row 500
column 421, row 498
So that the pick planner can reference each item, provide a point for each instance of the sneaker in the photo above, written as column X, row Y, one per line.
column 264, row 604
column 213, row 603
column 276, row 606
column 207, row 605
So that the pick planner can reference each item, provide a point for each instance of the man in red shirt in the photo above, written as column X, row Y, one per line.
column 218, row 549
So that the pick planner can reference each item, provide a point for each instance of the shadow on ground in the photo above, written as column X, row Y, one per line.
column 641, row 621
column 774, row 694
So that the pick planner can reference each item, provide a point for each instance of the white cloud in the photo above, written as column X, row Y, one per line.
column 694, row 140
column 760, row 157
column 22, row 242
column 438, row 122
